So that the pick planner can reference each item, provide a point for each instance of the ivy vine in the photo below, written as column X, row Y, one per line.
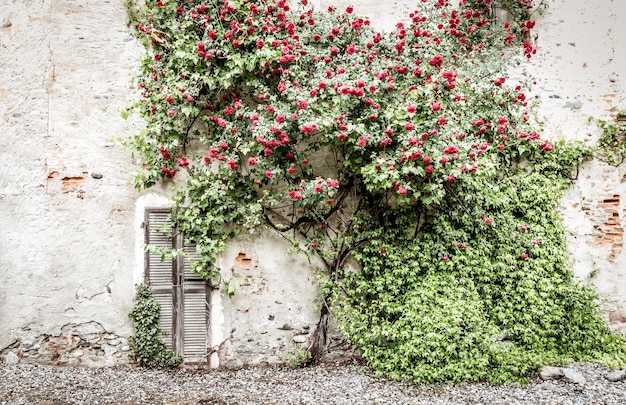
column 612, row 141
column 149, row 351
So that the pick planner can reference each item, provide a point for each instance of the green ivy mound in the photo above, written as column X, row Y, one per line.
column 468, row 302
column 436, row 331
column 148, row 349
column 411, row 152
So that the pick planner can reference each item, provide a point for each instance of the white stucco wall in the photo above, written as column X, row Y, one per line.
column 66, row 236
column 273, row 308
column 70, row 241
column 580, row 70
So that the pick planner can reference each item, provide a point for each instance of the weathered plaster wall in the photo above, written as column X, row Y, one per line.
column 66, row 238
column 273, row 309
column 580, row 69
column 71, row 238
column 70, row 224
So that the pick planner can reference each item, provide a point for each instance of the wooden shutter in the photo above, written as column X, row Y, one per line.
column 160, row 275
column 183, row 295
column 195, row 321
column 196, row 311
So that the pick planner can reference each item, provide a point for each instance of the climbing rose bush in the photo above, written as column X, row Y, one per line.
column 411, row 153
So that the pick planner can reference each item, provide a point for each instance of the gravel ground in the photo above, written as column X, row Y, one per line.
column 324, row 384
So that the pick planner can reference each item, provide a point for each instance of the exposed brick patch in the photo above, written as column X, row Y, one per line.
column 243, row 260
column 611, row 227
column 70, row 183
column 615, row 317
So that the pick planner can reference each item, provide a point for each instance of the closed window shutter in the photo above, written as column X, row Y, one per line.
column 182, row 294
column 196, row 311
column 195, row 321
column 160, row 273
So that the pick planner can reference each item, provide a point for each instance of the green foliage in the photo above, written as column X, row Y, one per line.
column 411, row 152
column 470, row 301
column 148, row 349
column 611, row 143
column 298, row 357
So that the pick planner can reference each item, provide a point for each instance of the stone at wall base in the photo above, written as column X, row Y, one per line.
column 616, row 376
column 562, row 373
column 11, row 358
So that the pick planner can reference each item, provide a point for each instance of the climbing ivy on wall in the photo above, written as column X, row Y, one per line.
column 411, row 153
column 611, row 145
column 149, row 351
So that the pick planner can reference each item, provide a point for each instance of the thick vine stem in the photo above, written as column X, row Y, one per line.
column 319, row 339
